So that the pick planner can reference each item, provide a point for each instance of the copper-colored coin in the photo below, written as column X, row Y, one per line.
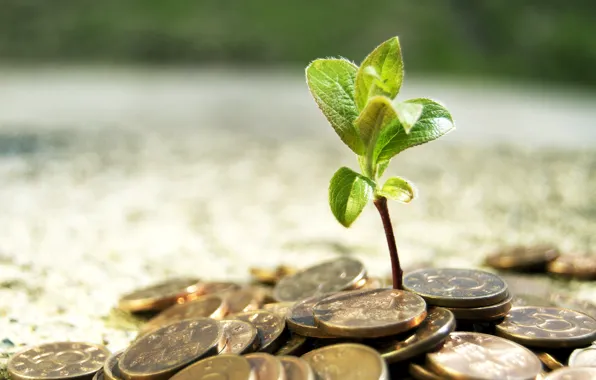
column 580, row 267
column 469, row 355
column 296, row 368
column 572, row 303
column 549, row 361
column 63, row 360
column 484, row 313
column 418, row 372
column 432, row 331
column 242, row 300
column 238, row 337
column 294, row 345
column 328, row 277
column 583, row 357
column 347, row 361
column 547, row 327
column 572, row 373
column 266, row 366
column 213, row 288
column 454, row 287
column 159, row 296
column 160, row 354
column 369, row 313
column 530, row 300
column 211, row 306
column 111, row 369
column 270, row 328
column 522, row 257
column 300, row 318
column 99, row 375
column 221, row 367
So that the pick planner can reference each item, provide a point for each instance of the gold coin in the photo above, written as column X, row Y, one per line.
column 580, row 267
column 549, row 361
column 212, row 288
column 347, row 361
column 432, row 331
column 211, row 306
column 572, row 303
column 484, row 313
column 294, row 345
column 163, row 352
column 279, row 308
column 328, row 277
column 418, row 372
column 453, row 287
column 583, row 357
column 270, row 328
column 300, row 318
column 159, row 296
column 242, row 300
column 469, row 355
column 522, row 257
column 238, row 337
column 266, row 366
column 99, row 375
column 62, row 360
column 572, row 373
column 221, row 367
column 111, row 370
column 296, row 368
column 548, row 327
column 369, row 313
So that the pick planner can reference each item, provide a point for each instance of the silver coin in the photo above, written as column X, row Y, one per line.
column 583, row 357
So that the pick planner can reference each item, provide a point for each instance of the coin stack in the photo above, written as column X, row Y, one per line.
column 331, row 321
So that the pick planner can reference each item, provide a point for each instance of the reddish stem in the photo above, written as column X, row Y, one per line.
column 381, row 204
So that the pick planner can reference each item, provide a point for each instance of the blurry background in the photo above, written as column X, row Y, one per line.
column 142, row 139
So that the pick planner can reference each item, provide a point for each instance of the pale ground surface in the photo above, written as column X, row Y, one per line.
column 112, row 179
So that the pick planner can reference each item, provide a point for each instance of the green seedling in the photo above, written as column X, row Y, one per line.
column 361, row 105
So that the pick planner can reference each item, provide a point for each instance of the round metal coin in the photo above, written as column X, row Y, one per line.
column 296, row 368
column 300, row 318
column 238, row 337
column 111, row 369
column 548, row 327
column 266, row 366
column 347, row 361
column 160, row 354
column 270, row 328
column 572, row 373
column 99, row 375
column 468, row 355
column 369, row 313
column 549, row 361
column 580, row 267
column 433, row 330
column 62, row 360
column 221, row 367
column 159, row 296
column 328, row 277
column 522, row 257
column 294, row 345
column 418, row 372
column 241, row 300
column 484, row 313
column 279, row 308
column 583, row 357
column 454, row 287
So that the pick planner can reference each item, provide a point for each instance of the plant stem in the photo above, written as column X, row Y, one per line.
column 396, row 271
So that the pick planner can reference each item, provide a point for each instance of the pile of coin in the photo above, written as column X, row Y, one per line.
column 331, row 321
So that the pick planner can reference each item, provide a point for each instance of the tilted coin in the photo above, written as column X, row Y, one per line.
column 547, row 327
column 521, row 299
column 483, row 313
column 111, row 369
column 583, row 357
column 163, row 352
column 580, row 267
column 295, row 345
column 369, row 313
column 241, row 300
column 238, row 337
column 549, row 361
column 227, row 366
column 454, row 287
column 211, row 306
column 469, row 355
column 266, row 366
column 300, row 318
column 296, row 368
column 347, row 361
column 374, row 283
column 433, row 330
column 523, row 257
column 572, row 303
column 99, row 375
column 214, row 287
column 572, row 373
column 62, row 360
column 159, row 296
column 279, row 308
column 330, row 276
column 418, row 372
column 270, row 328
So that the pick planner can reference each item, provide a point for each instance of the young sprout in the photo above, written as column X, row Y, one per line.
column 360, row 104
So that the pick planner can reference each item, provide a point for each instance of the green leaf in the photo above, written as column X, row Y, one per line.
column 398, row 189
column 408, row 114
column 434, row 122
column 381, row 73
column 331, row 83
column 381, row 166
column 349, row 192
column 378, row 113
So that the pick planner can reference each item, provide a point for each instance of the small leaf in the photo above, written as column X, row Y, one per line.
column 408, row 114
column 398, row 189
column 434, row 122
column 381, row 167
column 387, row 65
column 378, row 113
column 349, row 192
column 331, row 83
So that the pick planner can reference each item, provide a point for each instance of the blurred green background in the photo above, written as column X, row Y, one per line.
column 549, row 40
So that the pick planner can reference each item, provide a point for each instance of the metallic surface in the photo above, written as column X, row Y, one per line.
column 484, row 313
column 580, row 267
column 221, row 367
column 242, row 300
column 294, row 345
column 266, row 366
column 296, row 368
column 300, row 318
column 159, row 296
column 572, row 373
column 569, row 302
column 583, row 357
column 521, row 257
column 111, row 369
column 549, row 361
column 270, row 328
column 279, row 308
column 238, row 337
column 347, row 361
column 419, row 372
